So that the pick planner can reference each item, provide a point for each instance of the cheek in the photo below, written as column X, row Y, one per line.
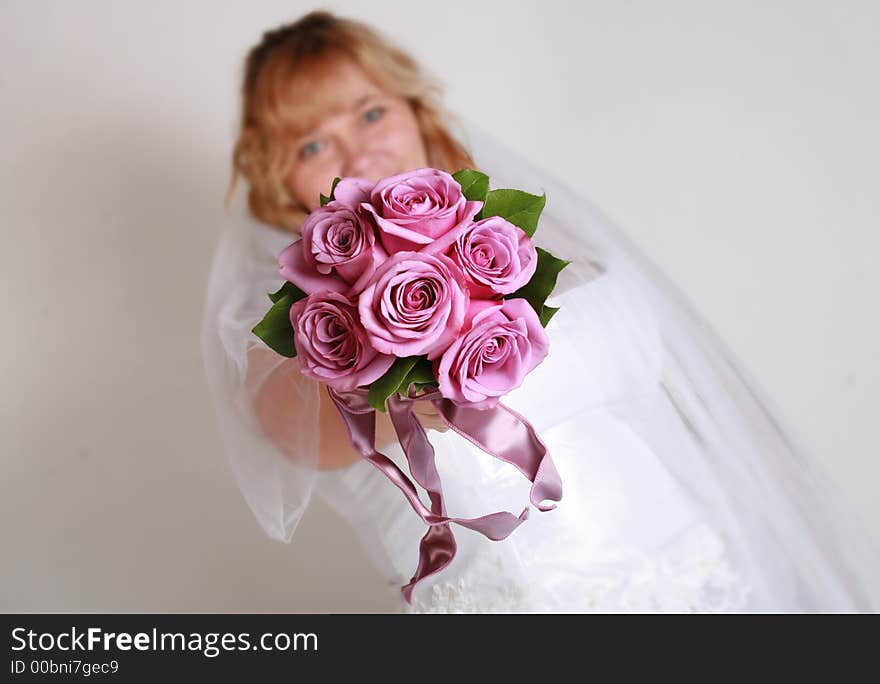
column 308, row 181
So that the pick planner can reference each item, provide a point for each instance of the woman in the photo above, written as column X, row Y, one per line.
column 681, row 492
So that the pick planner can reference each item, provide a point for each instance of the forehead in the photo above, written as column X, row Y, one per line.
column 322, row 89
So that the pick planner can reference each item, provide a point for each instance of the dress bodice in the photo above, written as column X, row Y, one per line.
column 624, row 537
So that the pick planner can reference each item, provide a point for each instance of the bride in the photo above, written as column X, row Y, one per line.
column 681, row 491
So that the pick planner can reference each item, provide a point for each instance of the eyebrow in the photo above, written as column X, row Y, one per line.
column 361, row 101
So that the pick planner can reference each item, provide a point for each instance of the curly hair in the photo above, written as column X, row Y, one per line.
column 278, row 105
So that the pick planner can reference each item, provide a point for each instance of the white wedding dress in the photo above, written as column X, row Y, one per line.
column 681, row 493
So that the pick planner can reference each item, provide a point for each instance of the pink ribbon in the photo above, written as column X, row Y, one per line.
column 500, row 432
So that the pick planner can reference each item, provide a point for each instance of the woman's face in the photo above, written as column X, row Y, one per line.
column 372, row 135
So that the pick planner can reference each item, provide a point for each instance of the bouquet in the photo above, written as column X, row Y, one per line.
column 424, row 286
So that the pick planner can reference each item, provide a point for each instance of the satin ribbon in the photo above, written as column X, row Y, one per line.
column 499, row 431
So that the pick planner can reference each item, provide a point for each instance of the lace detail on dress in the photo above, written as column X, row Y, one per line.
column 472, row 593
column 691, row 575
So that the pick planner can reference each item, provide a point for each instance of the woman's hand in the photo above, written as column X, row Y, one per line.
column 429, row 417
column 275, row 403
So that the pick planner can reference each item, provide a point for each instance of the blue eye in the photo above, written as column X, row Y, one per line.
column 309, row 149
column 373, row 114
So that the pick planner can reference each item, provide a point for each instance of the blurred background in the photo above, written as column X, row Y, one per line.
column 736, row 143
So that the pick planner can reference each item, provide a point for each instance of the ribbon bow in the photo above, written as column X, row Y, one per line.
column 499, row 431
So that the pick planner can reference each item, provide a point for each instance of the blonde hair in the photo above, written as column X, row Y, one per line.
column 278, row 105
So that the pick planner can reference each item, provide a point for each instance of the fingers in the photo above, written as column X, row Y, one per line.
column 429, row 417
column 436, row 424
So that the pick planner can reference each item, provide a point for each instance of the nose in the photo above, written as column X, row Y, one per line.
column 355, row 160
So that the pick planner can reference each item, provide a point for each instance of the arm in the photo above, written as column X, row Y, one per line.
column 274, row 403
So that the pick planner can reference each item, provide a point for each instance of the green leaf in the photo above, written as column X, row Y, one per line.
column 324, row 198
column 421, row 375
column 389, row 383
column 474, row 184
column 288, row 289
column 547, row 313
column 520, row 208
column 541, row 285
column 275, row 329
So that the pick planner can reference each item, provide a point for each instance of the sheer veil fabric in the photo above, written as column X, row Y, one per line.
column 681, row 491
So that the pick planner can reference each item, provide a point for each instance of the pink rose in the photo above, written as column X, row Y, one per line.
column 503, row 344
column 496, row 257
column 352, row 191
column 331, row 344
column 338, row 249
column 419, row 208
column 415, row 304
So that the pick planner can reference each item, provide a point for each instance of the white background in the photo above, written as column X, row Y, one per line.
column 736, row 142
